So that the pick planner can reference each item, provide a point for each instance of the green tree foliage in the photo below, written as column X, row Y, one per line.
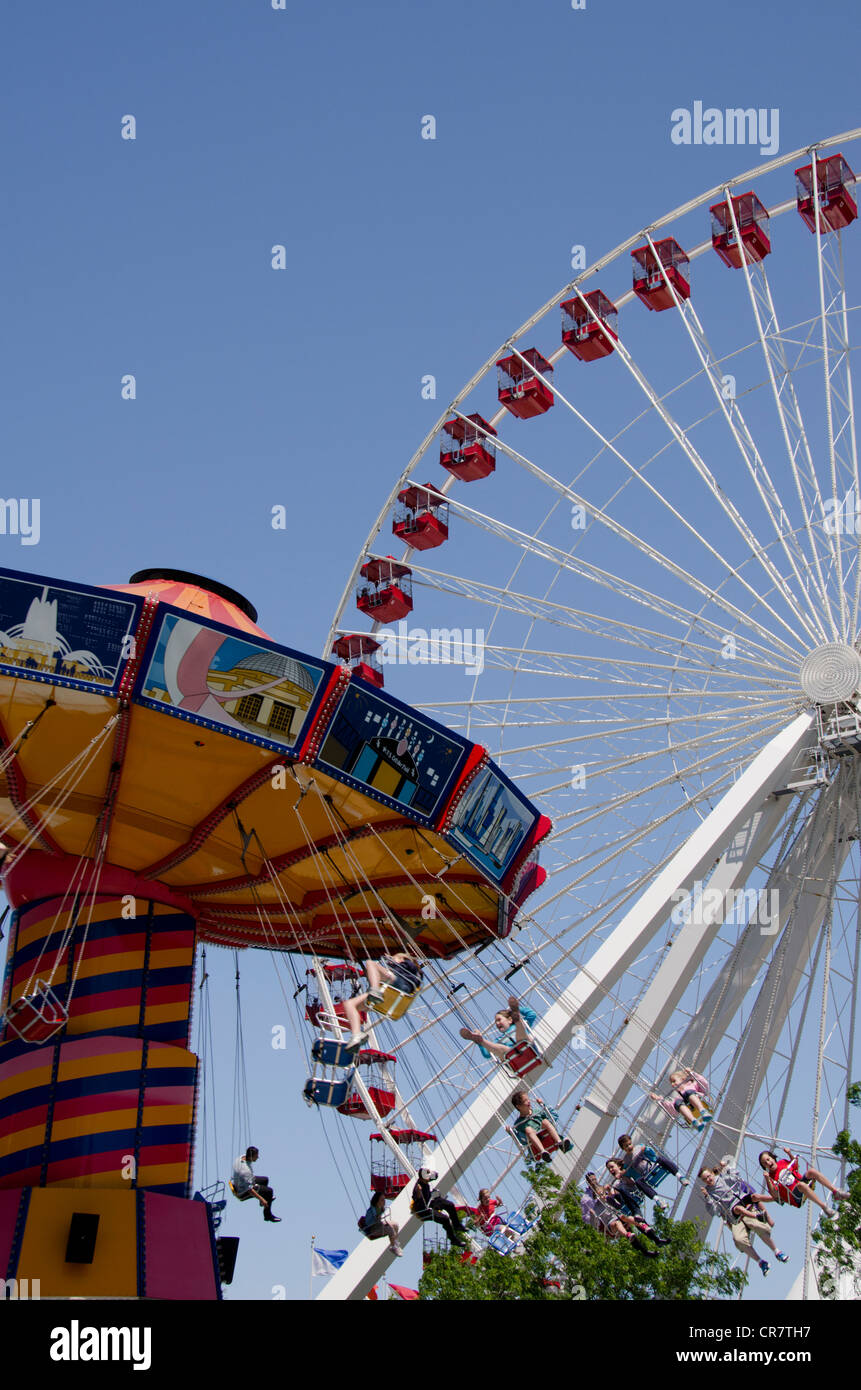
column 839, row 1241
column 564, row 1258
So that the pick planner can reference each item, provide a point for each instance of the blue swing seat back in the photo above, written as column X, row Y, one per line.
column 332, row 1053
column 319, row 1091
column 520, row 1223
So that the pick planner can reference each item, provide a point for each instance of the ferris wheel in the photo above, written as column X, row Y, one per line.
column 632, row 574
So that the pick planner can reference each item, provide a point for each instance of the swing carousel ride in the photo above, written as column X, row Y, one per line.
column 173, row 776
column 644, row 659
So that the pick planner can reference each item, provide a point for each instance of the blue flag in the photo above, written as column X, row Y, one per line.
column 327, row 1261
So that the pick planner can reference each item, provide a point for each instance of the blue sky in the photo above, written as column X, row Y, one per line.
column 257, row 388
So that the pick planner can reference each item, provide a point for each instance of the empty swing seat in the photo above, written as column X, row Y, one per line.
column 215, row 1201
column 504, row 1244
column 318, row 1091
column 520, row 1223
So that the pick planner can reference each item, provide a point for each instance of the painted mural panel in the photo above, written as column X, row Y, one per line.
column 491, row 822
column 65, row 634
column 221, row 680
column 381, row 746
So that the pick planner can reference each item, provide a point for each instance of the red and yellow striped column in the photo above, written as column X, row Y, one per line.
column 99, row 1118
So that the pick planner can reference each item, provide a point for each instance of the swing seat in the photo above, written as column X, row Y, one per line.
column 523, row 1058
column 656, row 1174
column 240, row 1196
column 549, row 1146
column 320, row 1092
column 520, row 1223
column 36, row 1016
column 332, row 1053
column 503, row 1245
column 216, row 1208
column 394, row 1003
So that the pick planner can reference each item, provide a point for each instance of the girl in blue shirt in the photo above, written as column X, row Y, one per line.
column 512, row 1026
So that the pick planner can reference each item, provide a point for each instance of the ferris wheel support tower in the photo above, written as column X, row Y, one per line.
column 739, row 820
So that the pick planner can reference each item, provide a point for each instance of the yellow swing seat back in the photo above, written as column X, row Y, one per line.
column 394, row 1003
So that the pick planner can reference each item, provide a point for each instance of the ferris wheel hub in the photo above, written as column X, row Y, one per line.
column 831, row 673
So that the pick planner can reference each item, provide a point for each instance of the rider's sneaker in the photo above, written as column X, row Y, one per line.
column 763, row 1264
column 779, row 1255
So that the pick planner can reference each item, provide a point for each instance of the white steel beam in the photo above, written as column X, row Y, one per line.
column 802, row 914
column 647, row 1021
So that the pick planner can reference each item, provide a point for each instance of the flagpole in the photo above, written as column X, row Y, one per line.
column 311, row 1275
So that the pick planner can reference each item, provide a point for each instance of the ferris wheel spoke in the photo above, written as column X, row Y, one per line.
column 702, row 765
column 758, row 726
column 566, row 560
column 651, row 675
column 839, row 415
column 691, row 665
column 744, row 442
column 481, row 591
column 594, row 722
column 792, row 425
column 754, row 462
column 724, row 759
column 592, row 734
column 630, row 841
column 556, row 709
column 755, row 548
column 602, row 516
